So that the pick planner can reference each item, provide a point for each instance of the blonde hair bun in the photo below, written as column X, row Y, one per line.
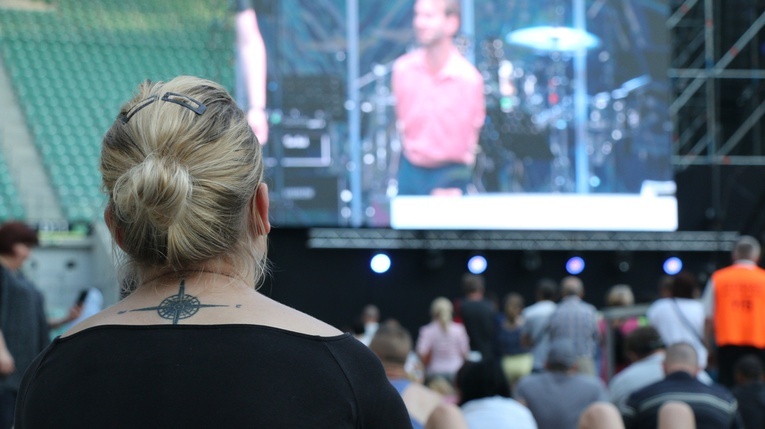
column 158, row 187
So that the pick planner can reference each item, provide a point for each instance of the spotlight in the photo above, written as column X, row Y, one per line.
column 673, row 265
column 380, row 263
column 477, row 264
column 575, row 265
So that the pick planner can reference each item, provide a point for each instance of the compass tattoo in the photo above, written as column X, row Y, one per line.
column 177, row 307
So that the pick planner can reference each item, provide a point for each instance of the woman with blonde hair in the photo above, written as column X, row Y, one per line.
column 194, row 344
column 617, row 296
column 442, row 344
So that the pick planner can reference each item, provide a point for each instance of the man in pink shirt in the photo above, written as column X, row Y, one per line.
column 439, row 105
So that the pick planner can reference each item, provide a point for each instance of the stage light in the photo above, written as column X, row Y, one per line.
column 380, row 263
column 673, row 265
column 477, row 264
column 575, row 265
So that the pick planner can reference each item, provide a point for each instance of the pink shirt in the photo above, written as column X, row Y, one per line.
column 447, row 349
column 440, row 114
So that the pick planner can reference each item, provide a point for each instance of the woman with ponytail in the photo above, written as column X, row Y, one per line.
column 442, row 344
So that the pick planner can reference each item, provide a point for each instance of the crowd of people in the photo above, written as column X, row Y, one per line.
column 691, row 361
column 541, row 366
column 476, row 364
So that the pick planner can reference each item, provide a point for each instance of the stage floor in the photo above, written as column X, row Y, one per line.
column 556, row 212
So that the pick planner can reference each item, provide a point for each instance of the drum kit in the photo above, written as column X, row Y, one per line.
column 553, row 39
column 531, row 108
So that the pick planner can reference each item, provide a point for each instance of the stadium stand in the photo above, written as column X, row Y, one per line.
column 10, row 204
column 73, row 63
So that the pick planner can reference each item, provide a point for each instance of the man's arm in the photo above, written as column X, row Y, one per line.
column 252, row 52
column 446, row 416
column 676, row 415
column 600, row 415
column 7, row 364
column 479, row 106
column 476, row 103
column 73, row 313
column 708, row 300
column 396, row 88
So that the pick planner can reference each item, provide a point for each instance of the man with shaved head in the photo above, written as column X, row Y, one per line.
column 370, row 319
column 577, row 321
column 734, row 302
column 714, row 407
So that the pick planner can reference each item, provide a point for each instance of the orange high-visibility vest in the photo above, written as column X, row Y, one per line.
column 739, row 307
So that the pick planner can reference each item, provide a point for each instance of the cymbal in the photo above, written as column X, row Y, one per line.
column 556, row 39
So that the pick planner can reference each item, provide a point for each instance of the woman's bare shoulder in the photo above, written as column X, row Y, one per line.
column 282, row 316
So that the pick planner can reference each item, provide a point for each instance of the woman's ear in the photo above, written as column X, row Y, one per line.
column 260, row 210
column 116, row 232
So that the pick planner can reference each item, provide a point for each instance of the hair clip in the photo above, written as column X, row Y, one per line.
column 183, row 100
column 125, row 117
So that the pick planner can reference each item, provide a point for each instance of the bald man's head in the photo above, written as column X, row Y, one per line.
column 681, row 357
column 747, row 248
column 571, row 286
column 392, row 344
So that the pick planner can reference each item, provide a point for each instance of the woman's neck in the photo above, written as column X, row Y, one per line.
column 223, row 279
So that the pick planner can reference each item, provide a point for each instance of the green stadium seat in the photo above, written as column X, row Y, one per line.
column 72, row 69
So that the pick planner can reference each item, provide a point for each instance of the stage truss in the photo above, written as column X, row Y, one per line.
column 695, row 241
column 717, row 73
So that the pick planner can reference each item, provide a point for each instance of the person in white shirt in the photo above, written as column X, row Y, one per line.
column 370, row 318
column 680, row 318
column 484, row 397
column 534, row 332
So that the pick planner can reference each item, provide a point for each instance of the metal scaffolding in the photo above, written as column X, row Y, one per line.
column 717, row 73
column 687, row 241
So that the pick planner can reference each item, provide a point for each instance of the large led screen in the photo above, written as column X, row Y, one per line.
column 573, row 127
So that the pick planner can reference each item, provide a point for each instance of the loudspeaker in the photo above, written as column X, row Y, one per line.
column 307, row 196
